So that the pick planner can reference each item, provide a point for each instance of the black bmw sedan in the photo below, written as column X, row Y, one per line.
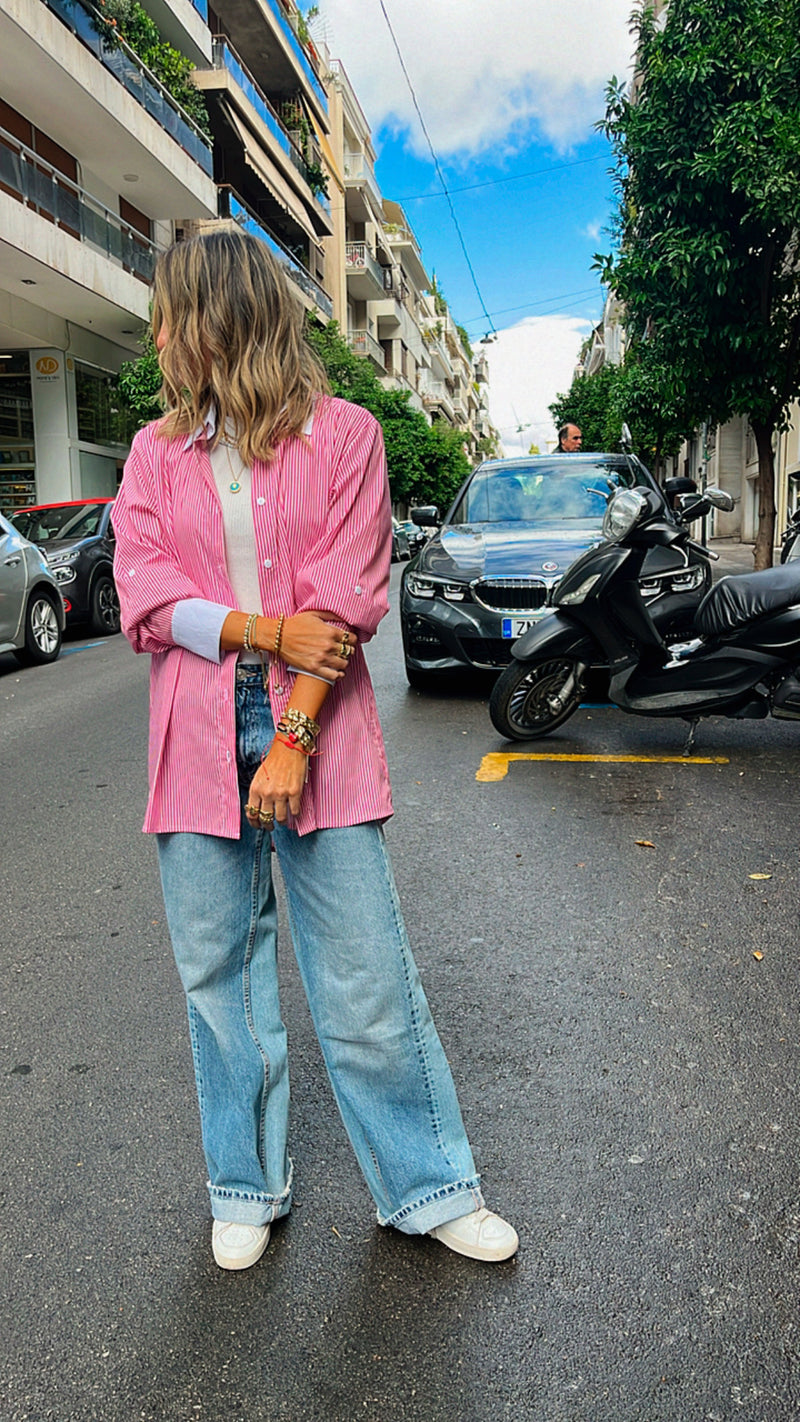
column 515, row 527
column 77, row 540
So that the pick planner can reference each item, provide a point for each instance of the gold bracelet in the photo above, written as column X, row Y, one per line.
column 298, row 720
column 279, row 635
column 247, row 636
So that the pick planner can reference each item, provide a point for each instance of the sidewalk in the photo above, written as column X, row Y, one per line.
column 734, row 557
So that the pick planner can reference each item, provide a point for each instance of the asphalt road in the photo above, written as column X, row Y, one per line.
column 587, row 932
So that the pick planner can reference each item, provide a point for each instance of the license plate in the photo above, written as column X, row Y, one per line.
column 515, row 626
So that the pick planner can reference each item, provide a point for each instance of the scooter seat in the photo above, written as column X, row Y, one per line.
column 735, row 601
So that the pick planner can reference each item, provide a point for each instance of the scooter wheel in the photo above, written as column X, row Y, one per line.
column 531, row 700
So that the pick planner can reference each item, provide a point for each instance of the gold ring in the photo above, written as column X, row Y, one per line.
column 266, row 816
column 251, row 809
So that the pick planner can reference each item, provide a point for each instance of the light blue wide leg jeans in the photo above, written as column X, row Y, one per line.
column 386, row 1064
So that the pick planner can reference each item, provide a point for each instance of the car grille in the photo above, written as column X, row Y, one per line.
column 511, row 594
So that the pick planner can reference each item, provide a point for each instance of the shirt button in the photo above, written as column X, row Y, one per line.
column 260, row 500
column 279, row 690
column 228, row 756
column 357, row 589
column 267, row 562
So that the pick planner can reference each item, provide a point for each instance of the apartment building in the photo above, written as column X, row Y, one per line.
column 390, row 309
column 100, row 166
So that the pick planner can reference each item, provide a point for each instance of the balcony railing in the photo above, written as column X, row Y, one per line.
column 359, row 172
column 393, row 283
column 231, row 205
column 126, row 66
column 358, row 257
column 225, row 57
column 364, row 344
column 55, row 196
column 298, row 51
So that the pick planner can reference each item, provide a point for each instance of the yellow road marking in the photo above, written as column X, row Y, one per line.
column 495, row 765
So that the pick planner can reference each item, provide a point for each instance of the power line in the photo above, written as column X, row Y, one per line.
column 514, row 178
column 436, row 165
column 546, row 301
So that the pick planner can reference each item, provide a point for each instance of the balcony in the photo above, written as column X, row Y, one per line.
column 363, row 196
column 364, row 344
column 436, row 396
column 363, row 271
column 264, row 31
column 314, row 295
column 269, row 147
column 54, row 196
column 143, row 86
column 404, row 244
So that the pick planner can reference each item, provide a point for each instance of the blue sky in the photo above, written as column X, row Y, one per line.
column 509, row 92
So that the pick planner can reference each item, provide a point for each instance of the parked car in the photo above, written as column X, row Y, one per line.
column 77, row 540
column 514, row 529
column 416, row 536
column 400, row 549
column 31, row 607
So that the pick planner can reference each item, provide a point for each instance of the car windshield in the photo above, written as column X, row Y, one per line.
column 67, row 521
column 542, row 493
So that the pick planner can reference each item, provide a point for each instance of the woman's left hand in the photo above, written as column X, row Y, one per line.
column 277, row 786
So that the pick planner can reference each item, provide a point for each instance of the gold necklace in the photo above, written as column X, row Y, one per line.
column 235, row 484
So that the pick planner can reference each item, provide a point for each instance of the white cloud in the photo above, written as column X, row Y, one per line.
column 593, row 231
column 485, row 75
column 529, row 364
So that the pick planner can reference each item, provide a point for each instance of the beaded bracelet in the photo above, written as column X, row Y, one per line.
column 298, row 734
column 247, row 636
column 279, row 635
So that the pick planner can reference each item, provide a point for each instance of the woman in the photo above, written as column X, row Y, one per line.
column 253, row 543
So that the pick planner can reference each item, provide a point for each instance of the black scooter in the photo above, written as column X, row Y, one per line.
column 790, row 538
column 742, row 662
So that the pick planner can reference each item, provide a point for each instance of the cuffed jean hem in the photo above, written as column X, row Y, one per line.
column 438, row 1208
column 248, row 1207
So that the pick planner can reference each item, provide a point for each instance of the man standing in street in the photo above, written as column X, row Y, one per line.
column 569, row 440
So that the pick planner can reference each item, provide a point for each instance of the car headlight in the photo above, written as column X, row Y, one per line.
column 623, row 511
column 688, row 579
column 419, row 586
column 63, row 573
column 60, row 559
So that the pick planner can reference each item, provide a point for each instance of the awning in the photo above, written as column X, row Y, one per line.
column 263, row 166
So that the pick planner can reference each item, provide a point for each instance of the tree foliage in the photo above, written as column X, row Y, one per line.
column 139, row 383
column 708, row 182
column 427, row 463
column 632, row 393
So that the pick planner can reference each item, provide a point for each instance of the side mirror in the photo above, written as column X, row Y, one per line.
column 426, row 517
column 719, row 498
column 679, row 485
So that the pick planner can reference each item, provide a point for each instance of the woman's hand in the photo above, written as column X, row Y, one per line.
column 277, row 786
column 313, row 645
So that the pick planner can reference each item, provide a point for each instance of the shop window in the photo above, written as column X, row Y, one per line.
column 100, row 418
column 17, row 463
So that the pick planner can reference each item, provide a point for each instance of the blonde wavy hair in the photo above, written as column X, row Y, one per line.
column 234, row 341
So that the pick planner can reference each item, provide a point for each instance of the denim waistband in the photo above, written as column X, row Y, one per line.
column 246, row 671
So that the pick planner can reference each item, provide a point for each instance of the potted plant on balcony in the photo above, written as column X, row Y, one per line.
column 126, row 20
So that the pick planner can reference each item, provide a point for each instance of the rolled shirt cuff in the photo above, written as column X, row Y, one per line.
column 197, row 626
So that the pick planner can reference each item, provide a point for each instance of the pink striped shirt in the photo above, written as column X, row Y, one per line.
column 323, row 541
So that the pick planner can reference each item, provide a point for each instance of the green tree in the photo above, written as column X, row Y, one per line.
column 586, row 404
column 138, row 384
column 426, row 463
column 708, row 182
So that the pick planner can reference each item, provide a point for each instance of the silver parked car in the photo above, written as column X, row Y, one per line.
column 32, row 613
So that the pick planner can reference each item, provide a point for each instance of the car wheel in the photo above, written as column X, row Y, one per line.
column 104, row 616
column 42, row 632
column 531, row 701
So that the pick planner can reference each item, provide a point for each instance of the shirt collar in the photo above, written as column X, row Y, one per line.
column 209, row 427
column 205, row 431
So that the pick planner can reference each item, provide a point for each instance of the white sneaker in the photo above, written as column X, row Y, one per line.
column 480, row 1235
column 237, row 1246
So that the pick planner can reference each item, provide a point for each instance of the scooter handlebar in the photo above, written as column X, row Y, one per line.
column 706, row 552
